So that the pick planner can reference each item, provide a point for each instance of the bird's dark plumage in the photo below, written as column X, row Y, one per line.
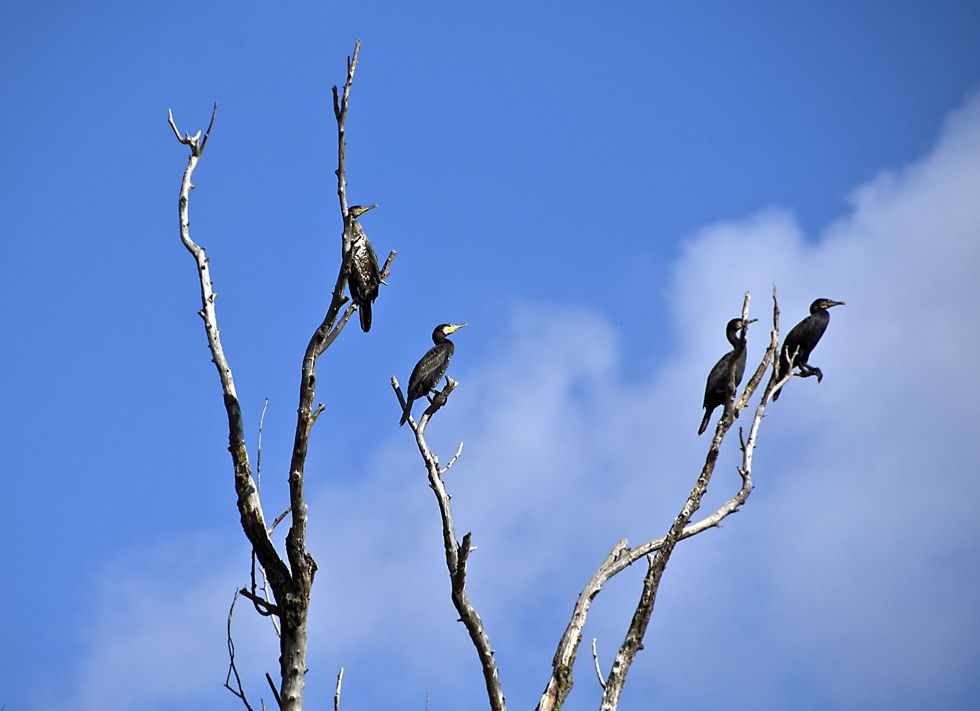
column 365, row 275
column 803, row 339
column 717, row 385
column 429, row 371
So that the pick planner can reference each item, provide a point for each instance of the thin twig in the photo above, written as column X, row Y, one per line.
column 598, row 672
column 272, row 618
column 319, row 409
column 279, row 519
column 453, row 460
column 336, row 695
column 275, row 691
column 258, row 454
column 194, row 142
column 240, row 692
column 262, row 606
column 387, row 266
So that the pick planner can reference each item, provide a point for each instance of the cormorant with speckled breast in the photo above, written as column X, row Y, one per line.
column 365, row 275
column 429, row 371
column 805, row 336
column 717, row 385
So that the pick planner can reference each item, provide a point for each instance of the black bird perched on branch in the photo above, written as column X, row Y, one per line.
column 429, row 371
column 803, row 339
column 365, row 275
column 717, row 386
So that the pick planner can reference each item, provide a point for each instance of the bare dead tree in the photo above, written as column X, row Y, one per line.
column 291, row 579
column 657, row 552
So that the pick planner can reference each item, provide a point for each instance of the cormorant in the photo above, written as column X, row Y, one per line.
column 429, row 371
column 717, row 386
column 805, row 336
column 365, row 276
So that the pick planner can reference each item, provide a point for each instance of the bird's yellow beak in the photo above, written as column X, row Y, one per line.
column 359, row 210
column 455, row 327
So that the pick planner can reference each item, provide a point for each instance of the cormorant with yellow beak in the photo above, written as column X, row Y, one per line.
column 429, row 371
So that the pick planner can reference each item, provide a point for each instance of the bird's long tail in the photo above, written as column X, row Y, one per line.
column 704, row 422
column 406, row 413
column 365, row 312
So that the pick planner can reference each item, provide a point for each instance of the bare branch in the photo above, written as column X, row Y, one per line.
column 340, row 112
column 194, row 142
column 456, row 554
column 258, row 453
column 332, row 336
column 272, row 618
column 275, row 692
column 319, row 409
column 262, row 606
column 239, row 692
column 598, row 672
column 336, row 695
column 453, row 460
column 385, row 270
column 435, row 405
column 278, row 520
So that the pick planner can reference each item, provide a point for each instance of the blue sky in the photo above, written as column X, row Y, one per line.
column 593, row 187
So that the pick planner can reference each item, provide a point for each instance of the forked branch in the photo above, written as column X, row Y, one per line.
column 621, row 556
column 657, row 562
column 291, row 584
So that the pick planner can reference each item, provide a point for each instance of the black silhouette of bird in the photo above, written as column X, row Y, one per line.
column 803, row 339
column 365, row 275
column 429, row 371
column 717, row 385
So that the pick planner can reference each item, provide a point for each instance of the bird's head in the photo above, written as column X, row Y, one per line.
column 445, row 329
column 731, row 331
column 448, row 328
column 821, row 304
column 356, row 211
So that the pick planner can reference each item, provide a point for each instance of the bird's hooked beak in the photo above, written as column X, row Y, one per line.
column 452, row 328
column 828, row 303
column 358, row 210
column 746, row 323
